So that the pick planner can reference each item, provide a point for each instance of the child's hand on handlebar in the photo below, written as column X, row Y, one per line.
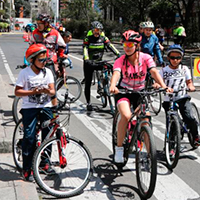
column 114, row 90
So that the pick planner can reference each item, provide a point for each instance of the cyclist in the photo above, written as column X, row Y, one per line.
column 35, row 84
column 67, row 36
column 150, row 42
column 141, row 26
column 176, row 75
column 93, row 49
column 130, row 70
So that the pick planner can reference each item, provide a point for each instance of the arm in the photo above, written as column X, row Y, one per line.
column 155, row 74
column 114, row 80
column 85, row 48
column 158, row 51
column 190, row 85
column 19, row 91
column 111, row 47
column 61, row 45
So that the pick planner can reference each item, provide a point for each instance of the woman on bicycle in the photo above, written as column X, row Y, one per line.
column 35, row 84
column 130, row 70
column 178, row 76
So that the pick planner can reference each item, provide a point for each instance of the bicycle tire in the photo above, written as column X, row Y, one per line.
column 74, row 89
column 62, row 182
column 17, row 145
column 155, row 100
column 146, row 162
column 114, row 141
column 16, row 107
column 110, row 97
column 197, row 117
column 172, row 142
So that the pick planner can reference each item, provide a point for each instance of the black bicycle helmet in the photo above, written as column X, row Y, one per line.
column 175, row 48
column 96, row 24
column 43, row 18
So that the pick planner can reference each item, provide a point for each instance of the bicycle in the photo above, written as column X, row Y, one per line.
column 103, row 83
column 72, row 85
column 175, row 130
column 69, row 158
column 139, row 135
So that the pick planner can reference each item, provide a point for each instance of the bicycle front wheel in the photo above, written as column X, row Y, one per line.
column 172, row 142
column 72, row 85
column 146, row 162
column 16, row 107
column 195, row 113
column 17, row 145
column 63, row 181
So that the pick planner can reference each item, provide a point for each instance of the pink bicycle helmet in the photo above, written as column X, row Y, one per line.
column 131, row 36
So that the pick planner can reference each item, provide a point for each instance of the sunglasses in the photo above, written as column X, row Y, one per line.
column 42, row 60
column 175, row 57
column 129, row 44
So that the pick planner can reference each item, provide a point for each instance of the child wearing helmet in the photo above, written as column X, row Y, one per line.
column 35, row 84
column 150, row 42
column 176, row 76
column 129, row 71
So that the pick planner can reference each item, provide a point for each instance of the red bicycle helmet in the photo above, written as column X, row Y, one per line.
column 131, row 36
column 34, row 50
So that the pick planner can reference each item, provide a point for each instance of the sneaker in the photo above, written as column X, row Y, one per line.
column 28, row 175
column 46, row 168
column 119, row 154
column 197, row 141
column 83, row 81
column 89, row 107
column 172, row 153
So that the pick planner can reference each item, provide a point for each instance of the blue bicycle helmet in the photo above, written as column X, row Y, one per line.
column 175, row 48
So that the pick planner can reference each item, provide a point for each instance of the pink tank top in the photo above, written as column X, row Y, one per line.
column 133, row 77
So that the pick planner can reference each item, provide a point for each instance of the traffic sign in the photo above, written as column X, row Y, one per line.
column 196, row 72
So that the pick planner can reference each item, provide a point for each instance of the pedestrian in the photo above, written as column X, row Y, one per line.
column 179, row 34
column 35, row 84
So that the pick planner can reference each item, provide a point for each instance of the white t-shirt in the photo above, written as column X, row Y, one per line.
column 176, row 79
column 29, row 80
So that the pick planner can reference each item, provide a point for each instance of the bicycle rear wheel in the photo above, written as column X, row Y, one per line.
column 63, row 181
column 172, row 142
column 72, row 85
column 197, row 117
column 16, row 107
column 146, row 162
column 155, row 100
column 17, row 145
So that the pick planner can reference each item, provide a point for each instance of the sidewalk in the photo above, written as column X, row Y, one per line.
column 12, row 186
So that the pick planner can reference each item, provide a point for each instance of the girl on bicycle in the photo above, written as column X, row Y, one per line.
column 178, row 76
column 35, row 84
column 129, row 71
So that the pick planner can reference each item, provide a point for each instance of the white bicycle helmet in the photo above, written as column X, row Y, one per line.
column 148, row 24
column 142, row 24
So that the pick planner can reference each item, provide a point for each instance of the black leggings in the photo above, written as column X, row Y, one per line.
column 88, row 72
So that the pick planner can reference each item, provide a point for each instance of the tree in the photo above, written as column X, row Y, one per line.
column 26, row 7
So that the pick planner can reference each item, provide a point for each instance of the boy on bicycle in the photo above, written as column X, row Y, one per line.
column 35, row 84
column 130, row 70
column 178, row 76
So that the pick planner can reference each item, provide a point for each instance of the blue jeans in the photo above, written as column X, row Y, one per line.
column 29, row 120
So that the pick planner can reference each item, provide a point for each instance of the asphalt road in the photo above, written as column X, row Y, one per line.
column 95, row 131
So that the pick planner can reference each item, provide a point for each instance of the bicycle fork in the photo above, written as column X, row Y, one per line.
column 61, row 145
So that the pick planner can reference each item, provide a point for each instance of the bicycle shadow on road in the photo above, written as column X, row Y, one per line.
column 8, row 173
column 107, row 171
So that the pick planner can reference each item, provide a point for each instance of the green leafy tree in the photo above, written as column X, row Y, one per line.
column 26, row 8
